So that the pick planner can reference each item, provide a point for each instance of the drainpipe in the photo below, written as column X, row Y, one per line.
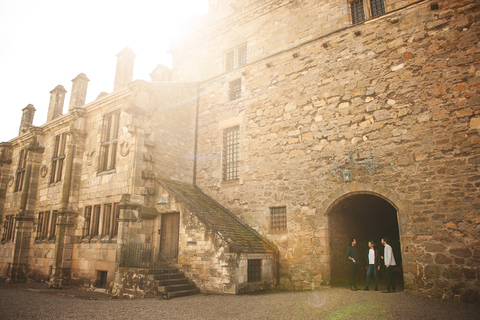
column 196, row 136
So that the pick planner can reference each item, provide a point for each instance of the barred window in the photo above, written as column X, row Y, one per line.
column 53, row 225
column 95, row 222
column 378, row 7
column 358, row 13
column 230, row 153
column 235, row 89
column 46, row 226
column 242, row 55
column 8, row 228
column 86, row 225
column 20, row 174
column 58, row 158
column 110, row 222
column 109, row 142
column 229, row 60
column 278, row 218
column 101, row 223
column 254, row 270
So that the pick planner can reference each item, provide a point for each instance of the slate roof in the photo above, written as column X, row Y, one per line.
column 240, row 237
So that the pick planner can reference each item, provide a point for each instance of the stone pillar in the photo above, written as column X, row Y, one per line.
column 128, row 212
column 124, row 72
column 79, row 91
column 57, row 98
column 27, row 119
column 65, row 226
column 24, row 218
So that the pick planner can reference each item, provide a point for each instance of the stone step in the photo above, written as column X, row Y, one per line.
column 167, row 276
column 177, row 288
column 182, row 293
column 173, row 281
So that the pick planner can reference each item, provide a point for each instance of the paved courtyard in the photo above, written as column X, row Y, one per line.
column 22, row 301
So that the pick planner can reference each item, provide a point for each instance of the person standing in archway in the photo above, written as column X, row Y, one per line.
column 352, row 257
column 389, row 261
column 373, row 259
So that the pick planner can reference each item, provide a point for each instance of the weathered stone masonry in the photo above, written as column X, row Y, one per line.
column 355, row 130
column 404, row 87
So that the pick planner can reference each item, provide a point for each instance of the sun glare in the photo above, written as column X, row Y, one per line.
column 47, row 43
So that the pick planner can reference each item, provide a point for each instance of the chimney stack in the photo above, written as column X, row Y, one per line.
column 161, row 73
column 79, row 91
column 124, row 73
column 57, row 97
column 27, row 119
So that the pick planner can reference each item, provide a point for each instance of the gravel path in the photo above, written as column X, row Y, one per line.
column 29, row 302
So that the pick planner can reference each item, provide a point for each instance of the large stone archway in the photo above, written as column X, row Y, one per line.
column 365, row 212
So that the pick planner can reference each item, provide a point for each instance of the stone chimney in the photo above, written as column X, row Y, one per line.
column 124, row 73
column 161, row 73
column 79, row 91
column 57, row 98
column 27, row 119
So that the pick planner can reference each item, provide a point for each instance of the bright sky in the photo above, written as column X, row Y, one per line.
column 44, row 43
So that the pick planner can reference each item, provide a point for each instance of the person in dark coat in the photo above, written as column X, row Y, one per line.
column 352, row 257
column 373, row 259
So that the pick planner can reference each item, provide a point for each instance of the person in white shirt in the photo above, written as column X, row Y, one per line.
column 373, row 259
column 389, row 261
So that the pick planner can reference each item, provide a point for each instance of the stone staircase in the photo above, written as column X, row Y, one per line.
column 173, row 283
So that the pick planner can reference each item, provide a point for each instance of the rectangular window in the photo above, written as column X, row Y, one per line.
column 115, row 213
column 235, row 89
column 230, row 153
column 278, row 218
column 8, row 228
column 378, row 7
column 358, row 13
column 242, row 55
column 58, row 158
column 20, row 174
column 95, row 222
column 254, row 270
column 53, row 225
column 229, row 61
column 46, row 225
column 86, row 225
column 109, row 142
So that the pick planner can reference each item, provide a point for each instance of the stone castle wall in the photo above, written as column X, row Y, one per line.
column 267, row 27
column 404, row 87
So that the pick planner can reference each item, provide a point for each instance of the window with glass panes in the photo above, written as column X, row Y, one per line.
column 235, row 89
column 109, row 142
column 58, row 158
column 20, row 174
column 230, row 153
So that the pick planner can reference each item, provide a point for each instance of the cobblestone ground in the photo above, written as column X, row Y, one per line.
column 34, row 302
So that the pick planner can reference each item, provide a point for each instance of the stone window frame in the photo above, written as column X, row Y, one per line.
column 58, row 158
column 101, row 221
column 235, row 58
column 361, row 10
column 8, row 228
column 231, row 153
column 235, row 89
column 46, row 225
column 20, row 173
column 278, row 218
column 108, row 148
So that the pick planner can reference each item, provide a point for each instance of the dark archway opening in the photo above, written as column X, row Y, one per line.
column 364, row 217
